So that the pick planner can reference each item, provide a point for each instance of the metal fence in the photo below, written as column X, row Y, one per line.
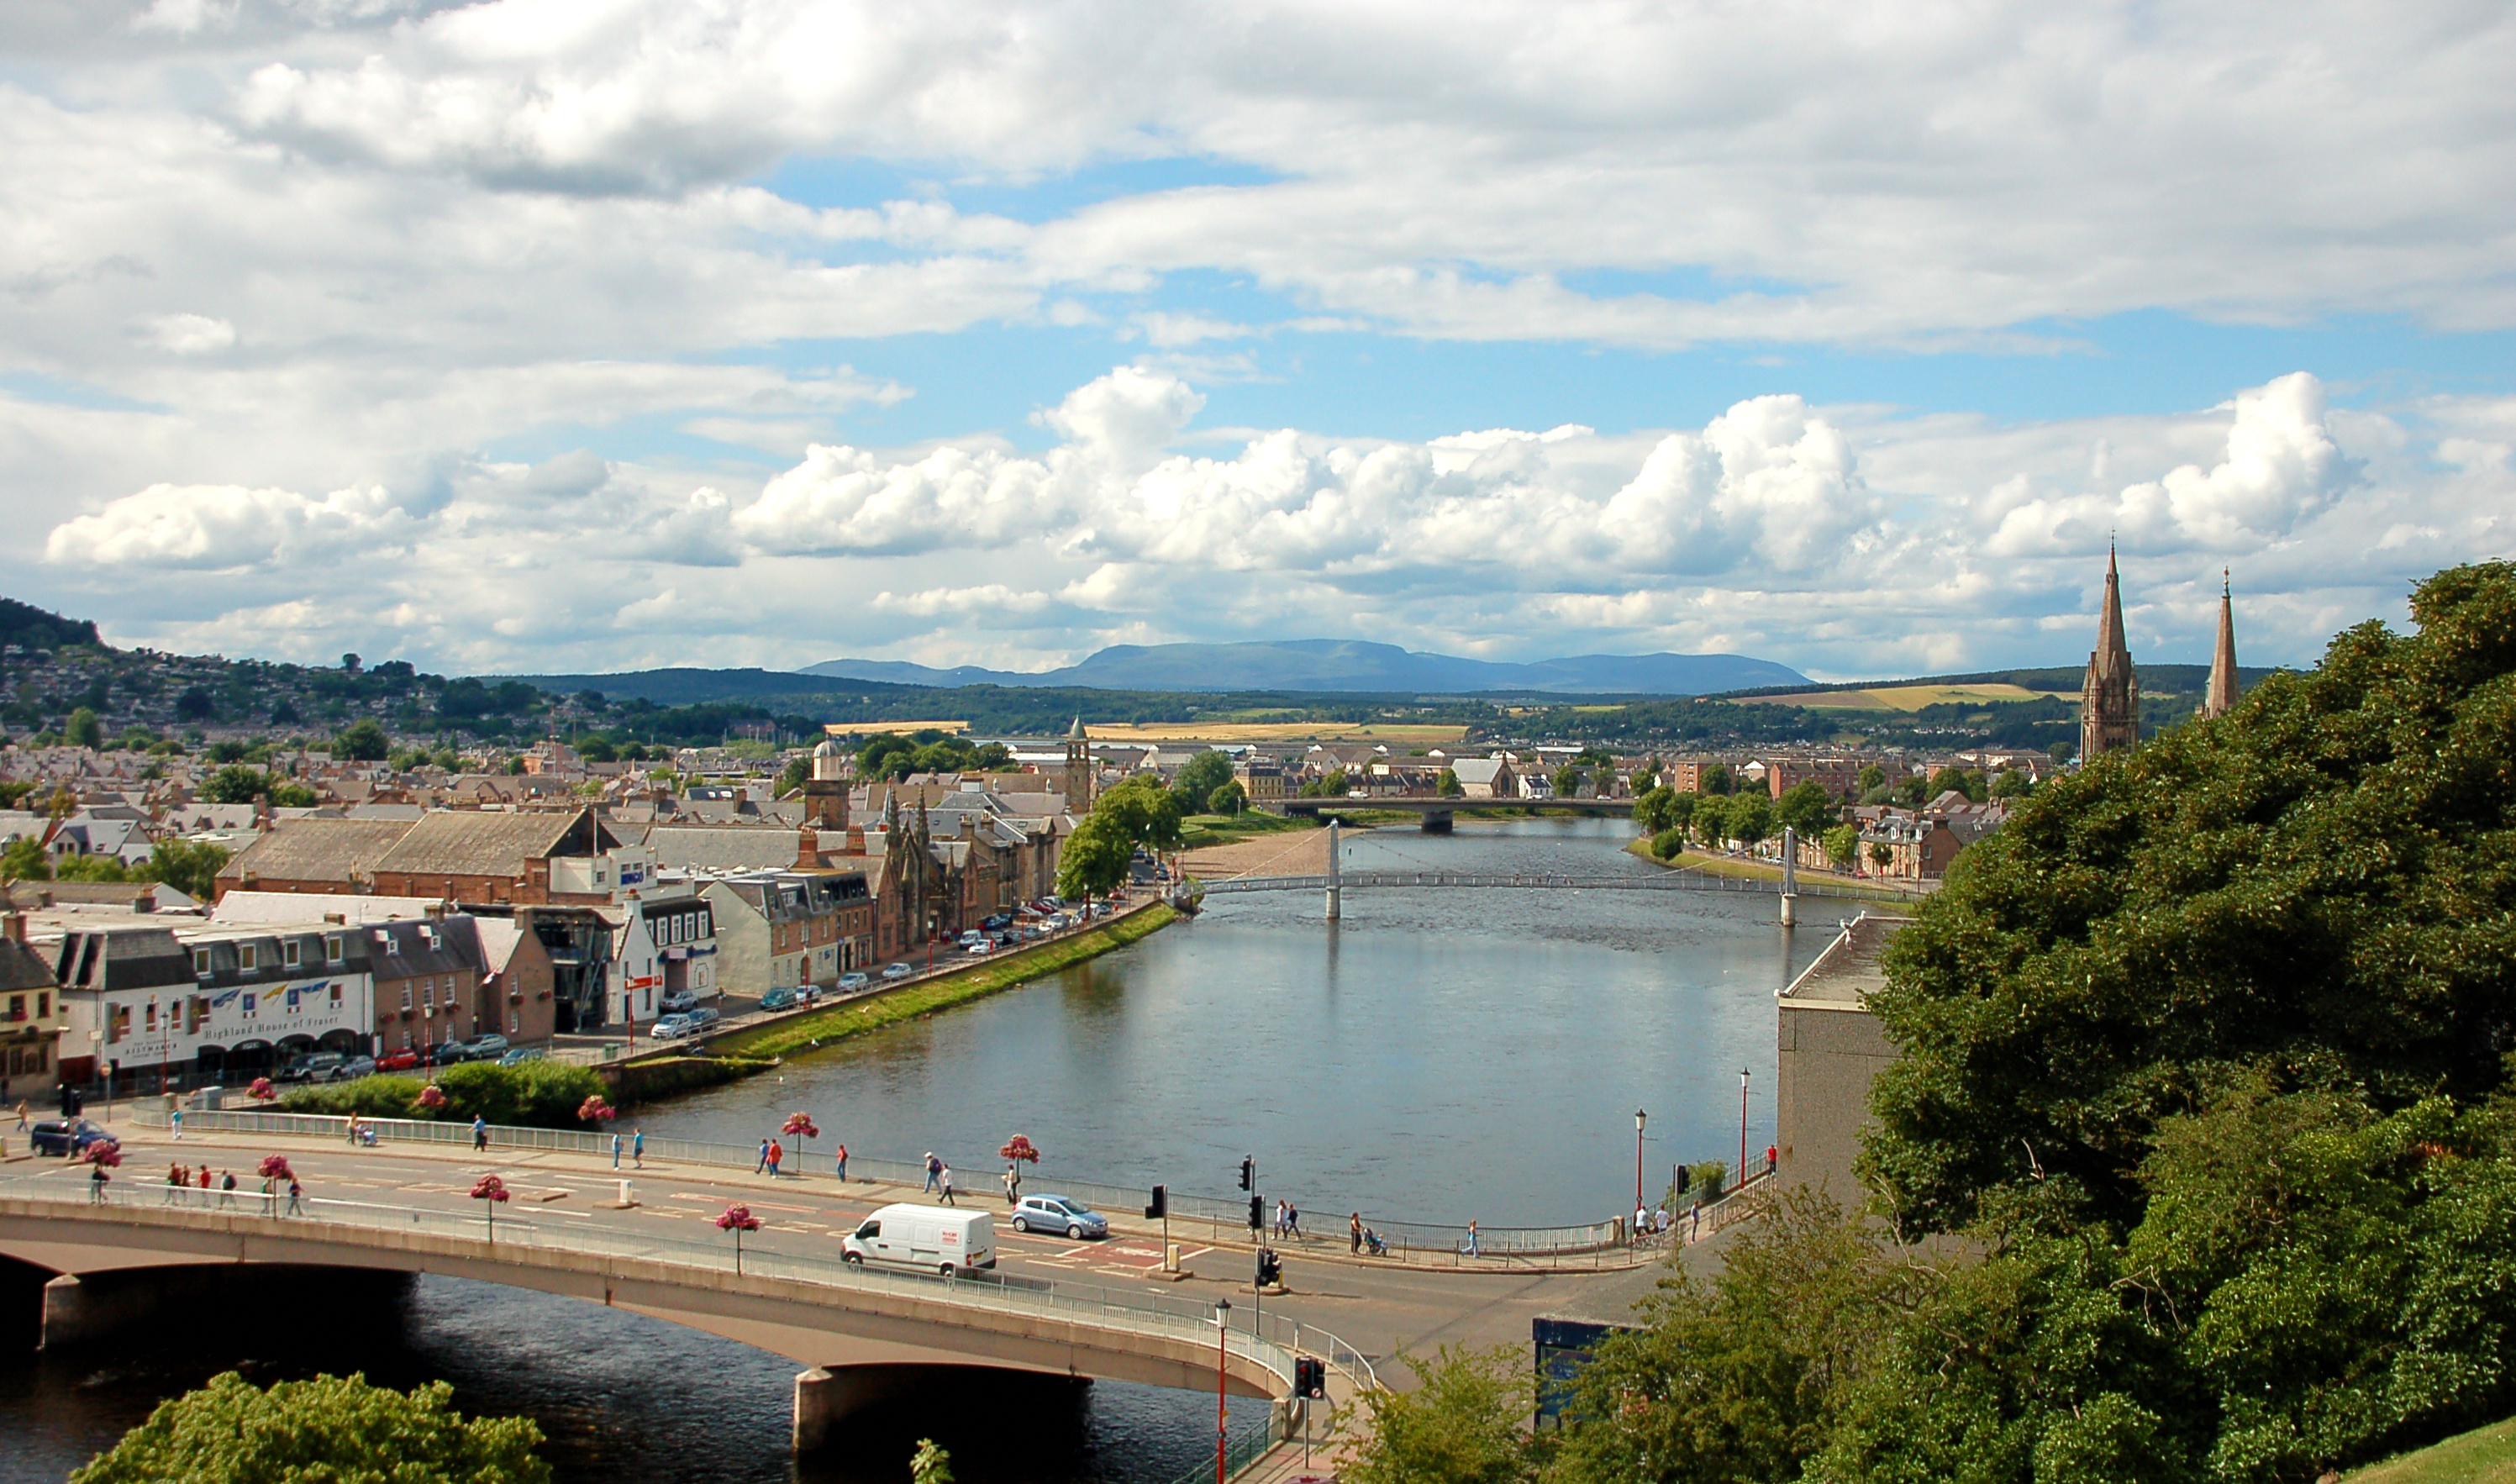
column 1218, row 1217
column 1268, row 1340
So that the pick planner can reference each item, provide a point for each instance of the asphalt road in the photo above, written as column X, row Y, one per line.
column 1379, row 1308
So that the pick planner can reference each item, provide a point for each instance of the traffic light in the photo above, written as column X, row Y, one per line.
column 1310, row 1375
column 1248, row 1173
column 1257, row 1212
column 1160, row 1204
column 1271, row 1268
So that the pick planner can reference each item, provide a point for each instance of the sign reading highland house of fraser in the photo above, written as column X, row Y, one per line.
column 171, row 1025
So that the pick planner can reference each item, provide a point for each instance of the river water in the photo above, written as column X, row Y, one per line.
column 1437, row 1056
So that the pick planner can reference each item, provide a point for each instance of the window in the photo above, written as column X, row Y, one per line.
column 148, row 1017
column 248, row 957
column 201, row 963
column 43, row 1004
column 336, row 993
column 331, row 948
column 290, row 952
column 405, row 997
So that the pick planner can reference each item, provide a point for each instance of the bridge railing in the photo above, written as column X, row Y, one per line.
column 1268, row 1340
column 1220, row 1217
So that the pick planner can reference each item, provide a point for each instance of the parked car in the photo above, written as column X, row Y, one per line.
column 778, row 998
column 897, row 970
column 809, row 993
column 355, row 1067
column 996, row 921
column 852, row 981
column 670, row 1028
column 486, row 1047
column 972, row 935
column 1057, row 1213
column 398, row 1061
column 982, row 946
column 522, row 1054
column 311, row 1066
column 702, row 1018
column 64, row 1137
column 679, row 1000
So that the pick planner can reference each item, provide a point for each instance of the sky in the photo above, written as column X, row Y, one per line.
column 568, row 335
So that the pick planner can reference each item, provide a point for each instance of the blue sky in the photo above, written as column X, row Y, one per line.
column 518, row 335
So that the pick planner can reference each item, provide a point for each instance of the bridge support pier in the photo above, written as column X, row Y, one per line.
column 80, row 1310
column 1337, row 893
column 1438, row 821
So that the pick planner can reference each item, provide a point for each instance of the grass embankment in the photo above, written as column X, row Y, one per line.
column 832, row 1023
column 642, row 1081
column 2483, row 1456
column 1200, row 830
column 1711, row 864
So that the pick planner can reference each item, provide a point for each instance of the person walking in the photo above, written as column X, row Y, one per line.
column 764, row 1157
column 1293, row 1219
column 638, row 1149
column 616, row 1151
column 353, row 1131
column 177, row 1178
column 776, row 1157
column 296, row 1193
column 945, row 1177
column 843, row 1163
column 1013, row 1184
column 175, row 1120
column 205, row 1177
column 1642, row 1225
column 1694, row 1222
column 226, row 1188
column 95, row 1179
column 22, row 1114
column 1354, row 1234
column 934, row 1170
column 1472, row 1241
column 1279, row 1228
column 480, row 1132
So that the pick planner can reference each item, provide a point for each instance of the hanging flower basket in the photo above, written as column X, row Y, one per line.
column 799, row 1126
column 104, row 1152
column 490, row 1188
column 275, row 1167
column 1020, row 1148
column 737, row 1220
column 431, row 1097
column 262, row 1089
column 593, row 1110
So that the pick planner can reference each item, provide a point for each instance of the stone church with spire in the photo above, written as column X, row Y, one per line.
column 2109, row 694
column 2222, row 691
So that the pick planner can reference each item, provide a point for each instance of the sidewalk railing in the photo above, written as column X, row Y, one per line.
column 1271, row 1339
column 1220, row 1219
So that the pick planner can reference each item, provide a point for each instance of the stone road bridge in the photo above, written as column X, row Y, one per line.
column 864, row 1333
column 1438, row 813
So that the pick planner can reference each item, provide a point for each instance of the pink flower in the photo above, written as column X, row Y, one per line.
column 104, row 1152
column 739, row 1218
column 595, row 1110
column 275, row 1167
column 800, row 1125
column 262, row 1089
column 490, row 1188
column 431, row 1096
column 1019, row 1148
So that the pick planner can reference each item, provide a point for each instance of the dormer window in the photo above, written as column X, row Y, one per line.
column 291, row 953
column 332, row 947
column 201, row 963
column 248, row 957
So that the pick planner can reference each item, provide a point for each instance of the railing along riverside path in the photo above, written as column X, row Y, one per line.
column 1270, row 1341
column 1416, row 1242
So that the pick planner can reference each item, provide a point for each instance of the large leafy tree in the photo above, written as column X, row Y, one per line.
column 1197, row 780
column 2322, row 882
column 335, row 1429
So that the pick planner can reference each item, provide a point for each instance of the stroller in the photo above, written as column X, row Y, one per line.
column 1373, row 1244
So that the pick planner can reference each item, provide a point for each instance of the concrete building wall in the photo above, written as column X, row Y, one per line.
column 1829, row 1053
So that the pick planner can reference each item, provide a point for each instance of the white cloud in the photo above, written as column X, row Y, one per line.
column 191, row 334
column 225, row 526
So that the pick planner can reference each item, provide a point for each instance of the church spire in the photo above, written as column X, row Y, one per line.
column 2222, row 693
column 2109, row 694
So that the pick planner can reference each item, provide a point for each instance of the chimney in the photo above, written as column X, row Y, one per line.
column 856, row 839
column 13, row 926
column 807, row 848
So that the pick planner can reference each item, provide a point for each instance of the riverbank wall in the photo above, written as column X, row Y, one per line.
column 830, row 1024
column 1812, row 881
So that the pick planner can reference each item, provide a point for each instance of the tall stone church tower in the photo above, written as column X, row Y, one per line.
column 2222, row 693
column 2110, row 695
column 1078, row 770
column 826, row 793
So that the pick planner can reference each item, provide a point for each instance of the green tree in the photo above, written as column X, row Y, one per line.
column 190, row 866
column 1843, row 846
column 1882, row 855
column 324, row 1429
column 1960, row 781
column 83, row 730
column 1227, row 797
column 363, row 741
column 86, row 868
column 1655, row 808
column 1873, row 776
column 237, row 783
column 2013, row 783
column 1197, row 780
column 1711, row 823
column 1805, row 807
column 1449, row 787
column 1568, row 780
column 1143, row 812
column 1716, row 778
column 1093, row 861
column 1751, row 817
column 796, row 773
column 930, row 1464
column 1460, row 1426
column 26, row 860
column 598, row 749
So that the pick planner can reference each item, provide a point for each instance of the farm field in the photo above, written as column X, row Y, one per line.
column 1273, row 731
column 1907, row 698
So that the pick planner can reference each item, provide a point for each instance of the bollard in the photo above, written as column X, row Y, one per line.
column 1171, row 1257
column 626, row 1201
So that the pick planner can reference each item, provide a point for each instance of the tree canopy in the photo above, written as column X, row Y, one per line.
column 327, row 1431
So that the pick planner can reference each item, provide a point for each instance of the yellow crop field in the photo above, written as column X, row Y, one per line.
column 1908, row 698
column 903, row 728
column 1271, row 731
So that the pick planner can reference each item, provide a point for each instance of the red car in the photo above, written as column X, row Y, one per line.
column 398, row 1061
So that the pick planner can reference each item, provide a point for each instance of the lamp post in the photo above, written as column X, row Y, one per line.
column 1742, row 1129
column 1222, row 1319
column 1639, row 1118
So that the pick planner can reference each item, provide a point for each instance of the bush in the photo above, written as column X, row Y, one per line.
column 376, row 1097
column 1666, row 845
column 537, row 1094
column 330, row 1428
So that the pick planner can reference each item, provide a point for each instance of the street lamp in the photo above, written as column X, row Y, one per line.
column 1742, row 1129
column 1222, row 1318
column 1639, row 1118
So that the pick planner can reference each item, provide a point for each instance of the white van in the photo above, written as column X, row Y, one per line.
column 937, row 1237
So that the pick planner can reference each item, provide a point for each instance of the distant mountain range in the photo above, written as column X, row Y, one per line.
column 1345, row 664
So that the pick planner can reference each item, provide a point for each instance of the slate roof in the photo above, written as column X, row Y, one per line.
column 470, row 842
column 723, row 847
column 22, row 968
column 345, row 851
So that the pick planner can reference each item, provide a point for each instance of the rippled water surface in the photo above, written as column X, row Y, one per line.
column 1437, row 1055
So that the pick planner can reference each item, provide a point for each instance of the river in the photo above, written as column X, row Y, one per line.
column 1437, row 1056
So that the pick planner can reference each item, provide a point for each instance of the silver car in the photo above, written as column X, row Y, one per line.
column 1057, row 1213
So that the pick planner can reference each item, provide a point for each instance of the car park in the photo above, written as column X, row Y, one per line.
column 680, row 1000
column 1057, row 1213
column 670, row 1028
column 778, row 998
column 897, row 970
column 853, row 981
column 311, row 1066
column 64, row 1137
